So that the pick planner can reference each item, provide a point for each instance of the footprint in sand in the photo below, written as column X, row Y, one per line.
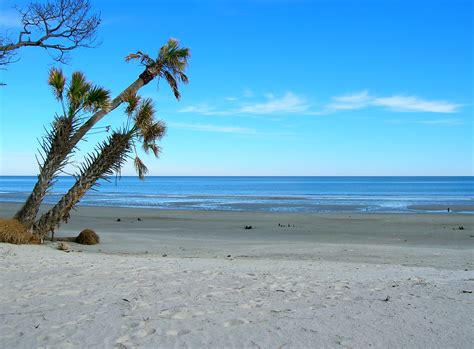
column 144, row 332
column 235, row 322
column 175, row 333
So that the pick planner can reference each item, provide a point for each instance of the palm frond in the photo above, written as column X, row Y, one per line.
column 78, row 88
column 145, row 114
column 153, row 147
column 142, row 57
column 97, row 98
column 173, row 84
column 153, row 132
column 57, row 81
column 132, row 100
column 140, row 167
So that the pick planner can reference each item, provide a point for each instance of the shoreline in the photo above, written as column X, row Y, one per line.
column 323, row 209
column 432, row 240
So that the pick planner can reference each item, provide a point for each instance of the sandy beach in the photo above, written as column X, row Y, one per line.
column 199, row 279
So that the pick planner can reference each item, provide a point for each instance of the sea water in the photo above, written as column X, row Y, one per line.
column 290, row 194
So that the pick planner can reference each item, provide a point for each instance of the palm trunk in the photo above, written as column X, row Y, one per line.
column 55, row 145
column 108, row 158
column 27, row 214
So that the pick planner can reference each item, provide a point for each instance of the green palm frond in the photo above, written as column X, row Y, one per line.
column 57, row 81
column 173, row 84
column 78, row 88
column 170, row 64
column 183, row 77
column 140, row 167
column 97, row 98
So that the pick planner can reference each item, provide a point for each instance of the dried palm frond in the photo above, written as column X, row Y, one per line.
column 142, row 57
column 154, row 148
column 132, row 100
column 140, row 167
column 153, row 132
column 144, row 114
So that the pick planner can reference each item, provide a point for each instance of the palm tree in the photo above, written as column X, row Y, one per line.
column 170, row 64
column 76, row 98
column 108, row 159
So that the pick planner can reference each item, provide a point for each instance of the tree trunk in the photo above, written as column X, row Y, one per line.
column 55, row 145
column 109, row 157
column 27, row 214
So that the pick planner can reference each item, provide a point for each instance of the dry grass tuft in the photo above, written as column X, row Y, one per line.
column 88, row 237
column 13, row 232
column 63, row 246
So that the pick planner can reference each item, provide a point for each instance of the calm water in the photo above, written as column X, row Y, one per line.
column 298, row 194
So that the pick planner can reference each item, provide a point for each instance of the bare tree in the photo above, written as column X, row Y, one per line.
column 57, row 25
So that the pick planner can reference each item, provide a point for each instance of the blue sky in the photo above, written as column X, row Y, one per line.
column 276, row 87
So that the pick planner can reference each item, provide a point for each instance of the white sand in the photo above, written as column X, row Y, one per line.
column 331, row 281
column 53, row 299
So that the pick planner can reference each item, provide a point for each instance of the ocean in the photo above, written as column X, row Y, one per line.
column 271, row 194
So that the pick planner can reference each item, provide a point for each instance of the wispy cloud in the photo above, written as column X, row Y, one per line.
column 448, row 122
column 352, row 101
column 291, row 103
column 205, row 109
column 235, row 130
column 415, row 104
column 215, row 128
column 397, row 103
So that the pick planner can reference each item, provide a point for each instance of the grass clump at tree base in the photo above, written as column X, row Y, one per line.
column 87, row 237
column 13, row 232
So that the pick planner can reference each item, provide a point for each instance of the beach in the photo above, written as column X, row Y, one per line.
column 164, row 279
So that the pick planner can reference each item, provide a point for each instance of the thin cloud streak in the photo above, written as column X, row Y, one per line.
column 236, row 130
column 215, row 128
column 290, row 103
column 397, row 103
column 414, row 104
column 447, row 122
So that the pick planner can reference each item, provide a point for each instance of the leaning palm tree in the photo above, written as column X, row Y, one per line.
column 77, row 98
column 170, row 65
column 108, row 159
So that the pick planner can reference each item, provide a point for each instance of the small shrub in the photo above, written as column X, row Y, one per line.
column 87, row 237
column 13, row 232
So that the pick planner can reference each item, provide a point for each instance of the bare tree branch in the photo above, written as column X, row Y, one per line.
column 57, row 25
